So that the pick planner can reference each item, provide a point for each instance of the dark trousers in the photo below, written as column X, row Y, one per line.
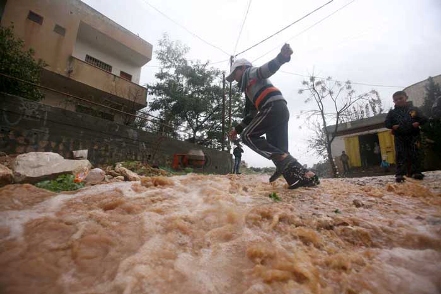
column 407, row 155
column 272, row 120
column 237, row 161
column 345, row 166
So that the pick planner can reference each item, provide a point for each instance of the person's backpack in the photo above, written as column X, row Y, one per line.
column 237, row 152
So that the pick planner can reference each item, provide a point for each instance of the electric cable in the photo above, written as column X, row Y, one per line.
column 303, row 17
column 307, row 29
column 243, row 24
column 355, row 83
column 183, row 27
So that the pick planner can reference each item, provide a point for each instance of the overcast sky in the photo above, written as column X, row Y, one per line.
column 379, row 42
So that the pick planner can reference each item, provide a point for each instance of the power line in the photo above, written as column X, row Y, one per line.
column 183, row 27
column 303, row 17
column 220, row 61
column 355, row 83
column 307, row 29
column 243, row 24
column 193, row 60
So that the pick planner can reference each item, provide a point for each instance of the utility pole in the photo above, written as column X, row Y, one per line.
column 223, row 112
column 229, row 108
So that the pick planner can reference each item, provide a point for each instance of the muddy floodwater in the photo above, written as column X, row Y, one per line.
column 223, row 234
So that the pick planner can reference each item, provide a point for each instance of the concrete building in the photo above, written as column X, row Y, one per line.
column 417, row 91
column 87, row 55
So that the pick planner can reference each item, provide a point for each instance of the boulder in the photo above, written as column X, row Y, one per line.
column 6, row 177
column 95, row 176
column 128, row 174
column 37, row 166
column 80, row 154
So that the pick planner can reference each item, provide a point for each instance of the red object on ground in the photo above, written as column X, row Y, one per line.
column 193, row 159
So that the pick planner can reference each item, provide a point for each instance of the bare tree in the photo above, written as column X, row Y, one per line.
column 333, row 101
column 362, row 109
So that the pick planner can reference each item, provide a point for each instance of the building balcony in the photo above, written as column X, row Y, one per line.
column 132, row 94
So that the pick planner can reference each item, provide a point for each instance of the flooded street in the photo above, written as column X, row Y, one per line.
column 223, row 234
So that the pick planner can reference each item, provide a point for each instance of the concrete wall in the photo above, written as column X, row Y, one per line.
column 107, row 82
column 27, row 126
column 83, row 48
column 417, row 92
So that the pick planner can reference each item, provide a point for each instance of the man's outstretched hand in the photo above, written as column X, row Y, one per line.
column 285, row 53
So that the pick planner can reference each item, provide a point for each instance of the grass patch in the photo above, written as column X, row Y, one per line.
column 274, row 197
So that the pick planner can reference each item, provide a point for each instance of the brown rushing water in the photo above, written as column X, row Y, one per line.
column 223, row 234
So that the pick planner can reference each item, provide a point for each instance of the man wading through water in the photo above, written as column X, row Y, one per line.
column 271, row 119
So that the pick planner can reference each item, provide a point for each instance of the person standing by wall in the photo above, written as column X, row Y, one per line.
column 237, row 152
column 345, row 161
column 377, row 153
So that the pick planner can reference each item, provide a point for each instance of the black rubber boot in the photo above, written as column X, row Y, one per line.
column 418, row 176
column 275, row 176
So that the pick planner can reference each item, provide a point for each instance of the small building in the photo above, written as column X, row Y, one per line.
column 87, row 55
column 358, row 138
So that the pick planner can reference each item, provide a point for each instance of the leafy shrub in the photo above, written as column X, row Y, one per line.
column 62, row 183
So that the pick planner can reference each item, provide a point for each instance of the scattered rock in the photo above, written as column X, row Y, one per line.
column 111, row 172
column 37, row 166
column 80, row 154
column 6, row 176
column 128, row 174
column 95, row 176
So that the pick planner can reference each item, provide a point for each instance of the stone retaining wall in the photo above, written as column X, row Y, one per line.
column 27, row 126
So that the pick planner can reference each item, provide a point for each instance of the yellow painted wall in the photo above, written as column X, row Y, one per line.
column 387, row 144
column 352, row 147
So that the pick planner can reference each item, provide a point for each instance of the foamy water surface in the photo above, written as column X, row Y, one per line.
column 223, row 234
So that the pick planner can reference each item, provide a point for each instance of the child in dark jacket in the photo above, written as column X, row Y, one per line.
column 405, row 121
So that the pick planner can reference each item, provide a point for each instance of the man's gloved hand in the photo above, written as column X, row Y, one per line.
column 285, row 54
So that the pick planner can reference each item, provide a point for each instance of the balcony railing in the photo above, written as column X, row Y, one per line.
column 100, row 79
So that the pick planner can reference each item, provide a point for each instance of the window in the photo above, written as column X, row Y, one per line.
column 59, row 30
column 125, row 75
column 98, row 63
column 35, row 17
